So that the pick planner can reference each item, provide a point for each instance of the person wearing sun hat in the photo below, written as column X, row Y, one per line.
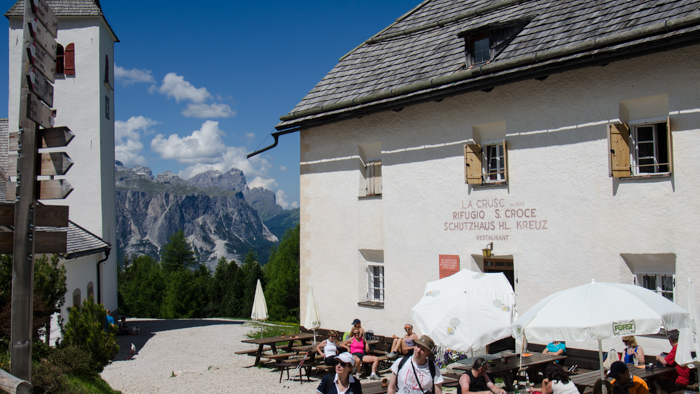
column 341, row 381
column 403, row 345
column 624, row 382
column 416, row 373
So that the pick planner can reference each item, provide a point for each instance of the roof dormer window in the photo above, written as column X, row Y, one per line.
column 484, row 43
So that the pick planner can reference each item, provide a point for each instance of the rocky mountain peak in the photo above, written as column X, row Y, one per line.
column 233, row 180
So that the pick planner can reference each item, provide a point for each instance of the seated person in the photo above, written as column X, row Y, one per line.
column 557, row 348
column 632, row 351
column 624, row 382
column 598, row 387
column 403, row 345
column 681, row 377
column 328, row 349
column 122, row 328
column 360, row 349
column 355, row 324
column 557, row 381
column 476, row 380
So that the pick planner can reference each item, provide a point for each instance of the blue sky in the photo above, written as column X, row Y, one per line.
column 201, row 83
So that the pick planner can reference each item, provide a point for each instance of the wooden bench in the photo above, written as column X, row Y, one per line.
column 280, row 356
column 293, row 364
column 251, row 352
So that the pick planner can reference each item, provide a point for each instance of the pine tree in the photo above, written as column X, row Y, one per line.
column 177, row 254
column 282, row 273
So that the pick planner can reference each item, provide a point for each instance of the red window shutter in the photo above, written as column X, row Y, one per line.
column 69, row 59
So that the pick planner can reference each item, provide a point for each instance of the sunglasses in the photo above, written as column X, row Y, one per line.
column 342, row 364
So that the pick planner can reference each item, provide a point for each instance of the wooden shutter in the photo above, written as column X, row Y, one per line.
column 472, row 164
column 669, row 145
column 69, row 59
column 619, row 141
column 378, row 177
column 505, row 161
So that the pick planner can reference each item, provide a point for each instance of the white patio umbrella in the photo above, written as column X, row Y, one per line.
column 467, row 310
column 688, row 339
column 313, row 316
column 599, row 311
column 259, row 305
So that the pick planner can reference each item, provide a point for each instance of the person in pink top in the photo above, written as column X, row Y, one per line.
column 359, row 348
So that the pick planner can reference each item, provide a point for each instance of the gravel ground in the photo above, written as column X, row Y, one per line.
column 200, row 353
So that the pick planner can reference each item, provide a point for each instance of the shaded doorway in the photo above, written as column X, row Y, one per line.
column 505, row 265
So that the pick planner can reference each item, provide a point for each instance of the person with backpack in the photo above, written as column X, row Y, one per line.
column 417, row 373
column 476, row 380
column 341, row 381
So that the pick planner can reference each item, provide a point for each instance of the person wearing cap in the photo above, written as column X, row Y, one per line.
column 403, row 345
column 476, row 380
column 341, row 381
column 624, row 382
column 417, row 373
column 679, row 379
column 355, row 324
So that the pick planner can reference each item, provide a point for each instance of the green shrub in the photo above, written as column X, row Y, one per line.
column 87, row 329
column 73, row 360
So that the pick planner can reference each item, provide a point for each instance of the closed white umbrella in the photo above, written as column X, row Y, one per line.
column 688, row 339
column 259, row 305
column 599, row 311
column 313, row 316
column 467, row 310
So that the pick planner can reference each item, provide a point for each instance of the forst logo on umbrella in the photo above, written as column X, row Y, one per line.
column 624, row 327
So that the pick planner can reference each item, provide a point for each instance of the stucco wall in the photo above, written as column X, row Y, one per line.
column 556, row 132
column 79, row 101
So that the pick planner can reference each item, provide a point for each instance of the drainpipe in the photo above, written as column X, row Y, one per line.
column 276, row 135
column 99, row 278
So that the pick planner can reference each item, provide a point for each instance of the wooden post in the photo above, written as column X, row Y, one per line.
column 13, row 385
column 23, row 245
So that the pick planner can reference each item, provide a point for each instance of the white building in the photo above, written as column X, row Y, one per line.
column 563, row 132
column 84, row 101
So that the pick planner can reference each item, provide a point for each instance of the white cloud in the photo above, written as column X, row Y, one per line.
column 268, row 184
column 283, row 168
column 208, row 111
column 128, row 77
column 281, row 199
column 127, row 139
column 202, row 146
column 294, row 205
column 175, row 86
column 250, row 136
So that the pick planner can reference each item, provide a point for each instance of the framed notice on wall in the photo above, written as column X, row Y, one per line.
column 449, row 264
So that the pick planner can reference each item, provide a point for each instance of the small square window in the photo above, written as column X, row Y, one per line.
column 375, row 283
column 373, row 178
column 650, row 152
column 663, row 284
column 482, row 52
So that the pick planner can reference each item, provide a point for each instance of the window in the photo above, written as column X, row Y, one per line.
column 663, row 284
column 107, row 69
column 480, row 48
column 485, row 42
column 641, row 149
column 375, row 284
column 487, row 165
column 76, row 297
column 107, row 107
column 59, row 59
column 373, row 178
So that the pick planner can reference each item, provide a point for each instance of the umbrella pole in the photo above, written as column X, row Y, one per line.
column 600, row 360
column 314, row 336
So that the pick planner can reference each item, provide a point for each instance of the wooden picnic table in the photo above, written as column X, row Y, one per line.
column 375, row 386
column 588, row 379
column 273, row 341
column 498, row 368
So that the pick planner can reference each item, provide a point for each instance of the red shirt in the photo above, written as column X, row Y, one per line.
column 683, row 378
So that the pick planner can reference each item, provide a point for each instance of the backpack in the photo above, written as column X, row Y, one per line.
column 327, row 383
column 431, row 366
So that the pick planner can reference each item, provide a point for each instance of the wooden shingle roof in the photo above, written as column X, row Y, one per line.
column 67, row 8
column 422, row 55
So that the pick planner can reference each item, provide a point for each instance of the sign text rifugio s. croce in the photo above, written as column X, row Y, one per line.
column 495, row 218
